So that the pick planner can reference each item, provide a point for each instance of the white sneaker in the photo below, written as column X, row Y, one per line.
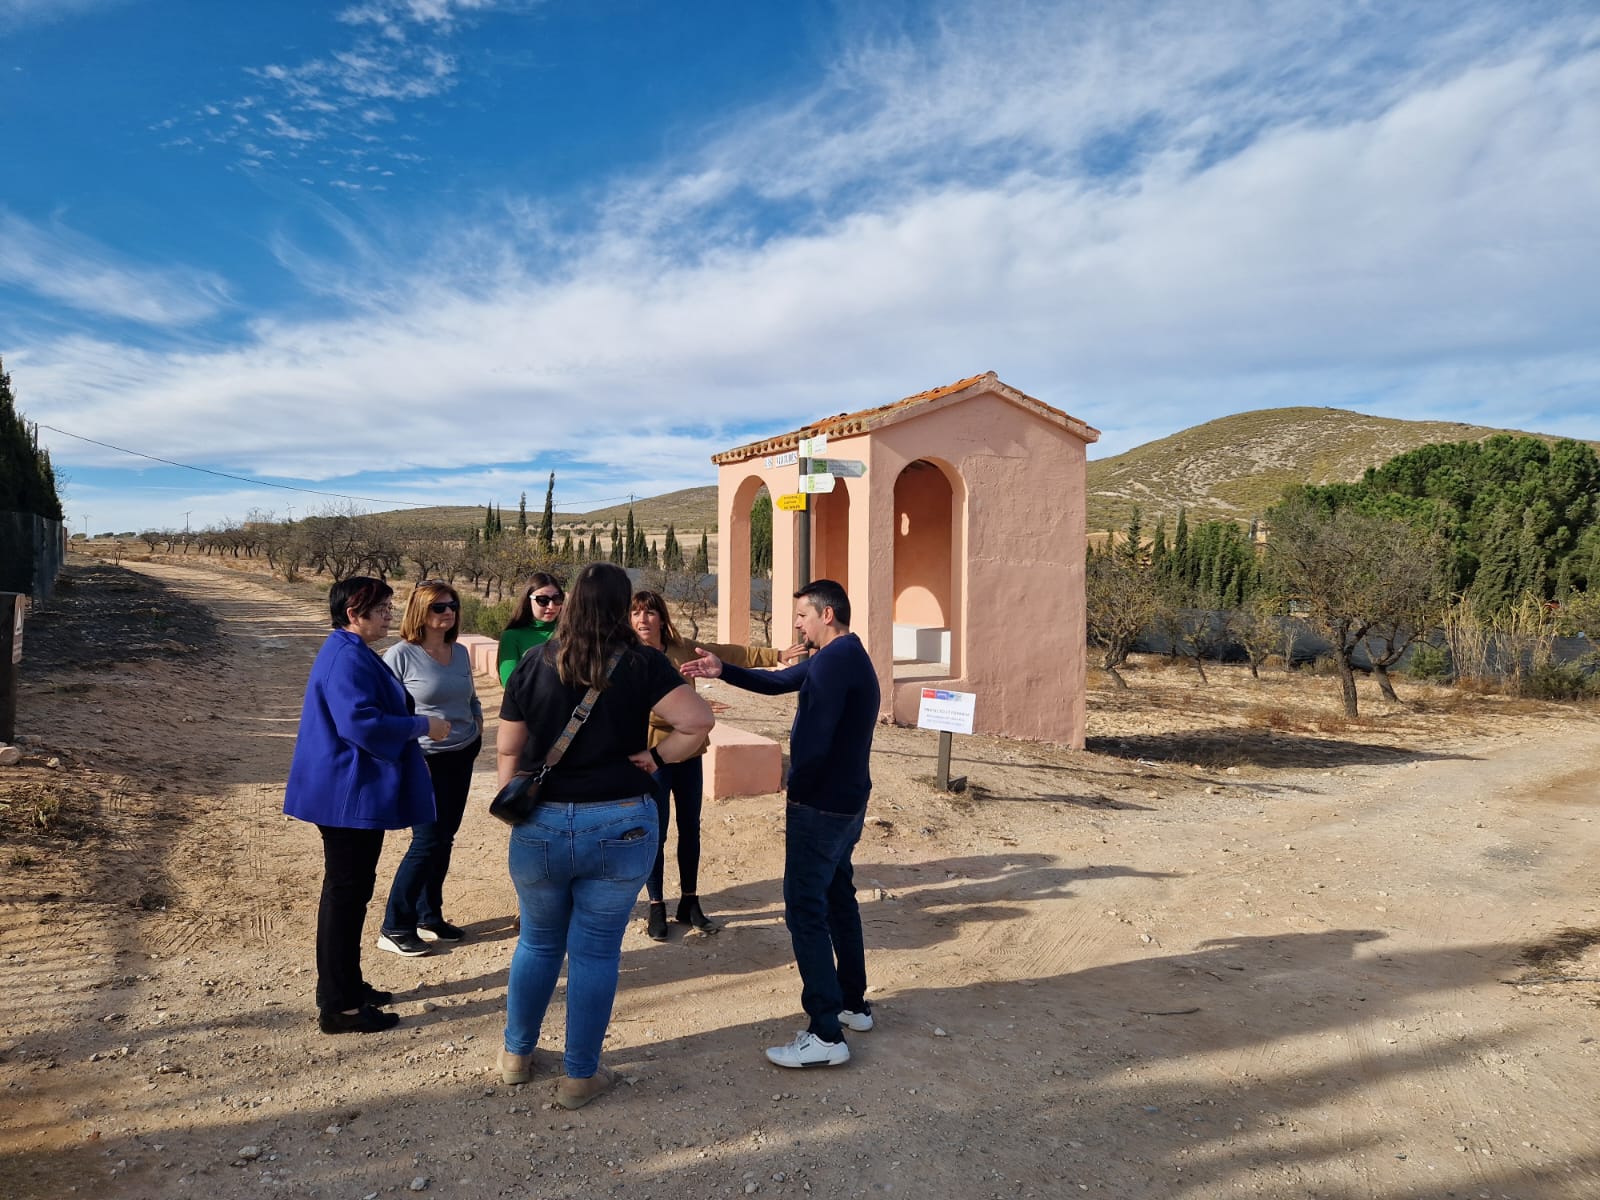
column 808, row 1050
column 858, row 1021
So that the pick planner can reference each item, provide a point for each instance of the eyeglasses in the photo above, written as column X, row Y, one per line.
column 543, row 601
column 444, row 606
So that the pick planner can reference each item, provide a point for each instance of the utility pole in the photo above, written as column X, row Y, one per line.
column 186, row 521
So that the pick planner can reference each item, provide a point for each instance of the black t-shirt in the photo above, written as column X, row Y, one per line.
column 595, row 766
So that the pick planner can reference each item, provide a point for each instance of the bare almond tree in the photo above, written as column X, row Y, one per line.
column 1357, row 574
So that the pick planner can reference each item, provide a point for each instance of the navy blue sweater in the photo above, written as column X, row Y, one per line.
column 831, row 743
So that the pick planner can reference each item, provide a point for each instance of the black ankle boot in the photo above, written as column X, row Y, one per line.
column 657, row 928
column 689, row 913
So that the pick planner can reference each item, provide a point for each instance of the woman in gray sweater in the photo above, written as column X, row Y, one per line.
column 437, row 673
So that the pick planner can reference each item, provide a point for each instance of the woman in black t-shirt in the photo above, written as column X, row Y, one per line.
column 578, row 863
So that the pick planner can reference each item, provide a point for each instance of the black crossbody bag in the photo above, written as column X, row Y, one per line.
column 515, row 802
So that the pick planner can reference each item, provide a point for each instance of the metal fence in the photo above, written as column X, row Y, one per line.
column 32, row 549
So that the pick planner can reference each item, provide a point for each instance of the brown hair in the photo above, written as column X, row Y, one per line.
column 593, row 624
column 429, row 591
column 523, row 616
column 644, row 599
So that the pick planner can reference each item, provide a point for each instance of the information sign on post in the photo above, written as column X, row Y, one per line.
column 792, row 502
column 949, row 713
column 844, row 468
column 822, row 482
column 811, row 447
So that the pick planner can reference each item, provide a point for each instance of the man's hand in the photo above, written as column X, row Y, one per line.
column 704, row 665
column 795, row 653
column 438, row 729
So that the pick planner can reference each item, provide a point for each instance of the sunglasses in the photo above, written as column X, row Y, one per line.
column 543, row 601
column 444, row 606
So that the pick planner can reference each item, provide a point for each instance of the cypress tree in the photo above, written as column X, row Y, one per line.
column 27, row 481
column 702, row 556
column 547, row 522
column 522, row 516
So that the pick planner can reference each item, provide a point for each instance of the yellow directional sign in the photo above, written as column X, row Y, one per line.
column 792, row 502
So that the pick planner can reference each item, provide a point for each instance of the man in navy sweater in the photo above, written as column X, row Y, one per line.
column 829, row 748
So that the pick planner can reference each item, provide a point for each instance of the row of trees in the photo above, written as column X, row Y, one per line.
column 27, row 481
column 1483, row 552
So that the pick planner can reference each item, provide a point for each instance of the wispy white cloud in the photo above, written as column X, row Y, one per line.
column 398, row 56
column 63, row 266
column 17, row 14
column 1266, row 213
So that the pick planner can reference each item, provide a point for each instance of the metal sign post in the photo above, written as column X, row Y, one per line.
column 949, row 713
column 808, row 448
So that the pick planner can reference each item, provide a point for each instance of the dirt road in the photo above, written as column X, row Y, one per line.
column 1224, row 952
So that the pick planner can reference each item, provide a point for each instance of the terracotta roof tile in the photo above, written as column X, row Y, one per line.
column 866, row 419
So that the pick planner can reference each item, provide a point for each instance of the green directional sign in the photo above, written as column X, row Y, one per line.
column 844, row 468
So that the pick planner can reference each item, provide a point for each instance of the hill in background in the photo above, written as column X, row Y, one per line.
column 1234, row 468
column 690, row 511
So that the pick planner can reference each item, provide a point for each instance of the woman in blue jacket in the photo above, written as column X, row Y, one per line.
column 357, row 770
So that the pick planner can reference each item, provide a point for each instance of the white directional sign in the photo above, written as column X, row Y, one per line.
column 816, row 483
column 813, row 446
column 845, row 468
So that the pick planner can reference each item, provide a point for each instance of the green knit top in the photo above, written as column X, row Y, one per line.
column 514, row 643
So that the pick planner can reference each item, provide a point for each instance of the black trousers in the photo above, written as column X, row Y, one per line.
column 349, row 870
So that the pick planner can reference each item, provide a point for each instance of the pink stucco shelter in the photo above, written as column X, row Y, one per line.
column 962, row 547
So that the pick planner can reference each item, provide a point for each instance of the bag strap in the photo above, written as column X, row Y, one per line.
column 580, row 714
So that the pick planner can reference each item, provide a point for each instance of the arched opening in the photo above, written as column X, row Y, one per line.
column 737, row 591
column 925, row 608
column 760, row 623
column 830, row 535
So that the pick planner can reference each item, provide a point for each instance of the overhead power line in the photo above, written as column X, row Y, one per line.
column 238, row 478
column 266, row 483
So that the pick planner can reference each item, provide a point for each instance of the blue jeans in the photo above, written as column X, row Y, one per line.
column 417, row 895
column 685, row 782
column 577, row 869
column 819, row 907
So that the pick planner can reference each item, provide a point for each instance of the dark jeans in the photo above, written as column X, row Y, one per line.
column 819, row 907
column 349, row 869
column 686, row 782
column 417, row 895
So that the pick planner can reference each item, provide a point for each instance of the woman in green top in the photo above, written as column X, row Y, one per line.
column 533, row 622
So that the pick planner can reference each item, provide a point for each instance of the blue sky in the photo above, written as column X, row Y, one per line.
column 430, row 250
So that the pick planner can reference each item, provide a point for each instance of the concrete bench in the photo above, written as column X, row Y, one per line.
column 741, row 763
column 483, row 652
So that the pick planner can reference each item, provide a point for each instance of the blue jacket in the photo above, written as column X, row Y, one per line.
column 357, row 764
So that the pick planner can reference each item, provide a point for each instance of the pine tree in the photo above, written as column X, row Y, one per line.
column 547, row 522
